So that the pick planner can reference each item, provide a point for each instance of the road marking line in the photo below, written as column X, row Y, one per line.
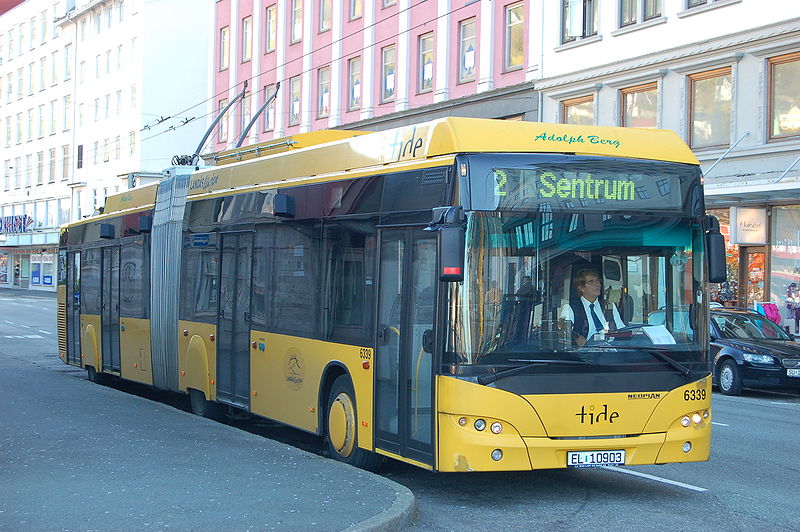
column 45, row 332
column 11, row 322
column 26, row 326
column 720, row 424
column 657, row 479
column 24, row 336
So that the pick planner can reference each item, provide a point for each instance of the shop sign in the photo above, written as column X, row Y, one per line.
column 19, row 223
column 748, row 225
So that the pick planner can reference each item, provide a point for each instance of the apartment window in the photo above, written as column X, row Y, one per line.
column 784, row 98
column 710, row 95
column 52, row 169
column 119, row 57
column 107, row 15
column 515, row 36
column 32, row 32
column 42, row 27
column 224, row 47
column 9, row 86
column 133, row 96
column 356, row 9
column 247, row 39
column 8, row 131
column 121, row 10
column 108, row 61
column 269, row 112
column 354, row 83
column 40, row 168
column 97, row 66
column 579, row 19
column 31, row 81
column 96, row 152
column 695, row 3
column 640, row 106
column 30, row 124
column 81, row 120
column 42, row 73
column 222, row 127
column 272, row 28
column 426, row 62
column 578, row 111
column 53, row 117
column 324, row 92
column 132, row 143
column 297, row 21
column 54, row 68
column 67, row 112
column 7, row 174
column 246, row 114
column 118, row 109
column 28, row 170
column 388, row 55
column 82, row 31
column 466, row 50
column 387, row 3
column 67, row 62
column 325, row 10
column 20, row 83
column 294, row 101
column 106, row 150
column 19, row 128
column 40, row 129
column 65, row 162
column 118, row 147
column 96, row 109
column 107, row 100
column 17, row 172
column 80, row 156
column 82, row 72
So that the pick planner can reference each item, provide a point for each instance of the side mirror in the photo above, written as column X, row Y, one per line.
column 715, row 251
column 449, row 222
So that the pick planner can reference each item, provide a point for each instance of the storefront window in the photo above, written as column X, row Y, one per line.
column 785, row 264
column 3, row 269
column 727, row 293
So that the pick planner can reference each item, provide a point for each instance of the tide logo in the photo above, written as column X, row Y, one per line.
column 591, row 417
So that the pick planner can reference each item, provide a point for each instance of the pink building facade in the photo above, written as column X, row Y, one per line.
column 368, row 64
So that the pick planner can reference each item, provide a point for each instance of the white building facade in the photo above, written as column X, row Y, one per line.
column 88, row 109
column 724, row 75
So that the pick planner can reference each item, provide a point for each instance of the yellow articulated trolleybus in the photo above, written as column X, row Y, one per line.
column 421, row 293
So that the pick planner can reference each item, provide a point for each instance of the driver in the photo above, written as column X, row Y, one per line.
column 586, row 312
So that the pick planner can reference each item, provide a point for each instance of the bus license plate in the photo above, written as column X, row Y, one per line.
column 595, row 458
column 793, row 372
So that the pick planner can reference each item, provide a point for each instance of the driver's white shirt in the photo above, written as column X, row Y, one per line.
column 567, row 314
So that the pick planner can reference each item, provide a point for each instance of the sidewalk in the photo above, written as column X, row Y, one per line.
column 75, row 455
column 20, row 292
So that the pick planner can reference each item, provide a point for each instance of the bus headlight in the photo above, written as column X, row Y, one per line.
column 687, row 446
column 480, row 424
column 496, row 428
column 497, row 455
column 697, row 418
column 685, row 421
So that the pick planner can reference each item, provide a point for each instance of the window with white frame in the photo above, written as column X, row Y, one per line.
column 224, row 47
column 467, row 51
column 356, row 9
column 294, row 101
column 515, row 36
column 710, row 94
column 323, row 92
column 325, row 14
column 222, row 127
column 425, row 62
column 579, row 19
column 247, row 39
column 296, row 32
column 388, row 69
column 354, row 83
column 272, row 28
column 269, row 112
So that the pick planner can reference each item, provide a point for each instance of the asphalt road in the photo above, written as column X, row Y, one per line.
column 749, row 484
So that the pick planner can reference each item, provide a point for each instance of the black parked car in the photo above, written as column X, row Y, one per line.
column 747, row 349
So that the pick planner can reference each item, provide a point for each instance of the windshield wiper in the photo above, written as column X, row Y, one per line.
column 487, row 379
column 683, row 370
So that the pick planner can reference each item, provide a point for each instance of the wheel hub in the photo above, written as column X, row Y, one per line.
column 726, row 378
column 341, row 424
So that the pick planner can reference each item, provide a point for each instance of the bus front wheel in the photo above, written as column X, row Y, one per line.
column 342, row 427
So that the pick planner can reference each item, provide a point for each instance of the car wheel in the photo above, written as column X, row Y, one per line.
column 730, row 379
column 342, row 427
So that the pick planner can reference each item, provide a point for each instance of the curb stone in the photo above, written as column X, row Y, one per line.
column 394, row 518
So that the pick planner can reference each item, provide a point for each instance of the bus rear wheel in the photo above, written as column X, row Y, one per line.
column 342, row 427
column 204, row 408
column 94, row 376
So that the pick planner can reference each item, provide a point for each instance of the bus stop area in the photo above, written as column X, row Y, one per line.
column 75, row 455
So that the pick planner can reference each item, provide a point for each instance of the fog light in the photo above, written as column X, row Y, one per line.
column 685, row 421
column 497, row 428
column 480, row 424
column 697, row 418
column 497, row 455
column 687, row 446
column 462, row 421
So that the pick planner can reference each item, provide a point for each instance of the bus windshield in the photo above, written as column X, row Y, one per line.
column 533, row 276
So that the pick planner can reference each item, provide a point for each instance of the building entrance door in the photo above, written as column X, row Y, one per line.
column 753, row 285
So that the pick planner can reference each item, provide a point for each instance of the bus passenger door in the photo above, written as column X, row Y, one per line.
column 233, row 331
column 74, row 307
column 109, row 310
column 404, row 368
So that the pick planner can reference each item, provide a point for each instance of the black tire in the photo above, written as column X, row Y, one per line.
column 94, row 376
column 729, row 378
column 341, row 427
column 205, row 408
